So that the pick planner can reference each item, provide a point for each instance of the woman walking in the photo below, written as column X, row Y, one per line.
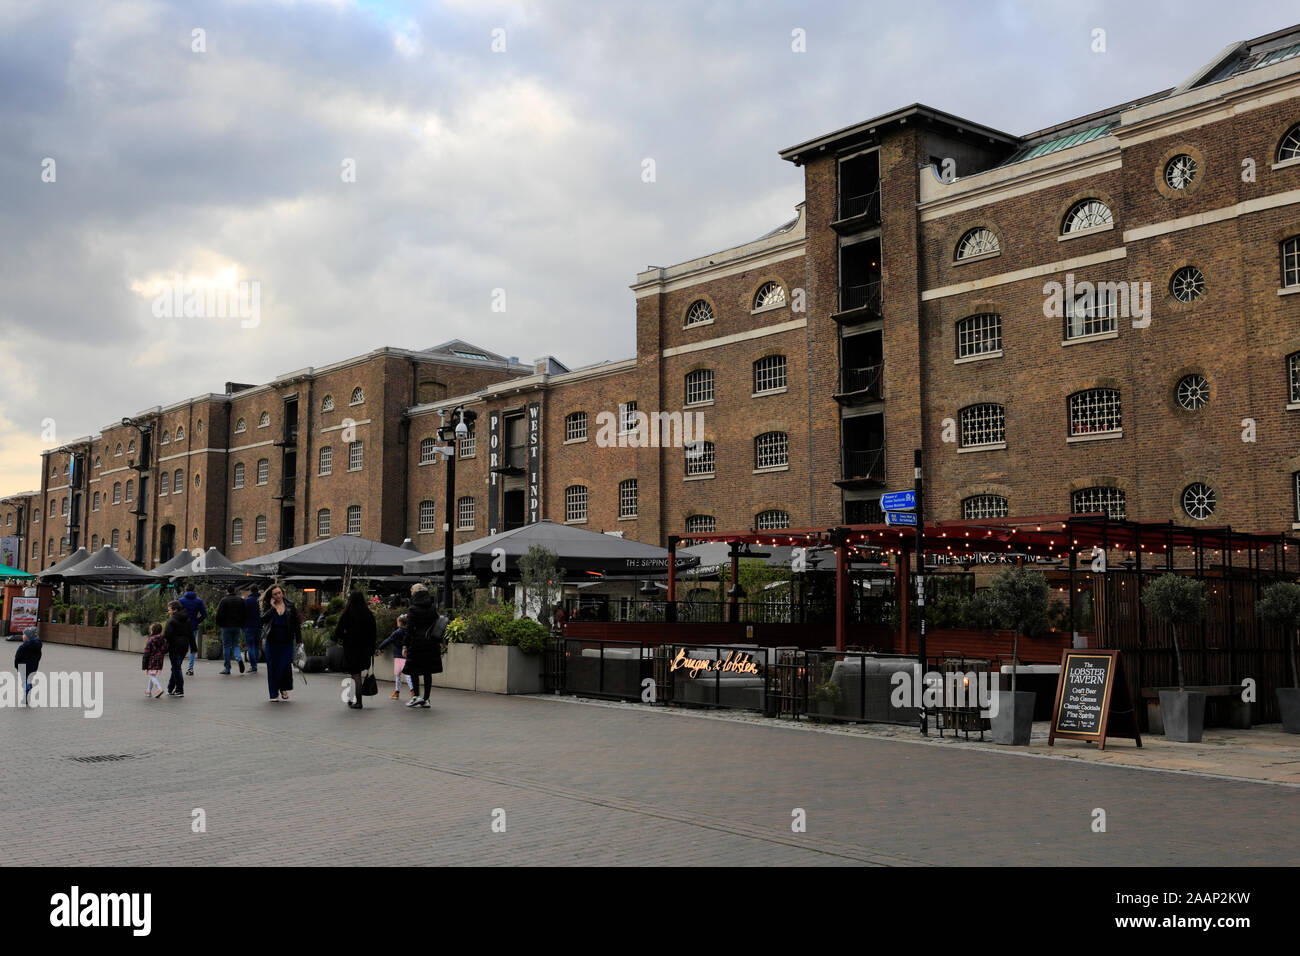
column 282, row 629
column 424, row 630
column 356, row 632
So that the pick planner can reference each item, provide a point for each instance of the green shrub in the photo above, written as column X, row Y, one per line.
column 526, row 634
column 315, row 642
column 458, row 630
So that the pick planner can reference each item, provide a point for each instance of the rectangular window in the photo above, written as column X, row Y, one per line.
column 575, row 426
column 627, row 498
column 428, row 451
column 323, row 523
column 354, row 456
column 575, row 503
column 1095, row 412
column 237, row 532
column 979, row 335
column 1110, row 501
column 327, row 460
column 354, row 519
column 467, row 447
column 263, row 471
column 699, row 386
column 626, row 417
column 701, row 524
column 259, row 528
column 984, row 506
column 983, row 425
column 771, row 450
column 700, row 458
column 1291, row 262
column 427, row 517
column 769, row 373
column 1093, row 314
column 1293, row 375
column 465, row 514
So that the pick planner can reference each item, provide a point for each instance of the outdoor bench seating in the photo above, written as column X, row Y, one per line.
column 1223, row 706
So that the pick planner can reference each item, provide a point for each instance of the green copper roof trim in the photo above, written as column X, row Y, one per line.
column 1063, row 142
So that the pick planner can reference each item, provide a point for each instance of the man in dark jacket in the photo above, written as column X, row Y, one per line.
column 253, row 626
column 198, row 613
column 179, row 638
column 230, row 620
column 27, row 659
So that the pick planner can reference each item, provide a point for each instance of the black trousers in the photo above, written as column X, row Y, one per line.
column 177, row 680
column 428, row 683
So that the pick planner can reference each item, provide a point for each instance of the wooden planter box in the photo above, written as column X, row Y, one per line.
column 491, row 669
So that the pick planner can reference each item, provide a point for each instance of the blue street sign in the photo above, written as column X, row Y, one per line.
column 898, row 501
column 900, row 517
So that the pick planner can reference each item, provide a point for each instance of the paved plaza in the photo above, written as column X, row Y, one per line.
column 312, row 782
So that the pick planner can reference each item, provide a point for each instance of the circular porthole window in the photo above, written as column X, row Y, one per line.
column 1193, row 392
column 1199, row 501
column 1187, row 284
column 1180, row 171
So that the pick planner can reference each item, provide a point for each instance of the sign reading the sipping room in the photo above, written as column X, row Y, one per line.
column 734, row 663
column 1091, row 687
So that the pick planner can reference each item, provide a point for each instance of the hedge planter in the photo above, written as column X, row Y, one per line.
column 314, row 663
column 1014, row 722
column 212, row 648
column 1288, row 701
column 1183, row 714
column 492, row 669
column 335, row 658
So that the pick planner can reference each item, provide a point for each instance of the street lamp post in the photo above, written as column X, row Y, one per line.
column 451, row 434
column 141, row 466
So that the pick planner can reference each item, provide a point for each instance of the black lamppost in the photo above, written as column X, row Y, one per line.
column 450, row 432
column 141, row 466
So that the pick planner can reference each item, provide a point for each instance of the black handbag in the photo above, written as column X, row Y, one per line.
column 370, row 686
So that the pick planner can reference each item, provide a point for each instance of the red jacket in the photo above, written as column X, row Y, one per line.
column 155, row 652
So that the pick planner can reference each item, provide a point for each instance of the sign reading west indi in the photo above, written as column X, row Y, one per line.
column 900, row 518
column 898, row 501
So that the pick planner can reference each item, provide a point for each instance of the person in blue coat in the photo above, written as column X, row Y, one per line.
column 252, row 627
column 194, row 607
column 28, row 658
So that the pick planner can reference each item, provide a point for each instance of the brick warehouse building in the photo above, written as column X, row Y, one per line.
column 908, row 305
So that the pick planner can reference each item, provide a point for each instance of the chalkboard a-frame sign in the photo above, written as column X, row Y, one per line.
column 1091, row 687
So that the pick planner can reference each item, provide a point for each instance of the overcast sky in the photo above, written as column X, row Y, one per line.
column 475, row 169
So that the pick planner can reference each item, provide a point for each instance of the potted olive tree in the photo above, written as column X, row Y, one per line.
column 1018, row 602
column 1180, row 602
column 1279, row 605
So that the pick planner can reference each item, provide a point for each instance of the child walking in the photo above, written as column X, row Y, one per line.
column 155, row 653
column 397, row 639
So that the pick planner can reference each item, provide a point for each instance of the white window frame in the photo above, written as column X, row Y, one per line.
column 628, row 501
column 465, row 508
column 763, row 520
column 576, row 498
column 996, row 424
column 981, row 507
column 979, row 335
column 241, row 474
column 575, row 426
column 325, row 461
column 773, row 366
column 263, row 471
column 357, row 454
column 699, row 387
column 259, row 529
column 1104, row 498
column 428, row 515
column 1096, row 412
column 703, row 464
column 771, row 451
column 237, row 531
column 354, row 511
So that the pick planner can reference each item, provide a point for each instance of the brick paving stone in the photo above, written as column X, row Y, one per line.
column 312, row 782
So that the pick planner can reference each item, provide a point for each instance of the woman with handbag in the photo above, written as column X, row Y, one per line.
column 356, row 631
column 424, row 630
column 282, row 631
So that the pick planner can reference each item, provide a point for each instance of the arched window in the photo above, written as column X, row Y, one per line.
column 180, row 432
column 198, row 427
column 130, row 447
column 259, row 528
column 1104, row 499
column 769, row 296
column 117, row 492
column 772, row 450
column 1096, row 411
column 116, row 539
column 701, row 524
column 265, row 420
column 1087, row 214
column 981, row 425
column 428, row 451
column 771, row 520
column 979, row 334
column 769, row 374
column 263, row 471
column 94, row 501
column 699, row 386
column 164, row 483
column 178, row 481
column 327, row 403
column 427, row 517
column 465, row 513
column 241, row 426
column 130, row 490
column 94, row 542
column 627, row 498
column 575, row 503
column 977, row 242
column 699, row 313
column 984, row 506
column 99, row 462
column 166, row 438
column 358, row 396
column 239, row 474
column 354, row 519
column 699, row 458
column 575, row 426
column 323, row 523
column 1289, row 148
column 117, row 453
column 49, row 550
column 237, row 531
column 326, row 460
